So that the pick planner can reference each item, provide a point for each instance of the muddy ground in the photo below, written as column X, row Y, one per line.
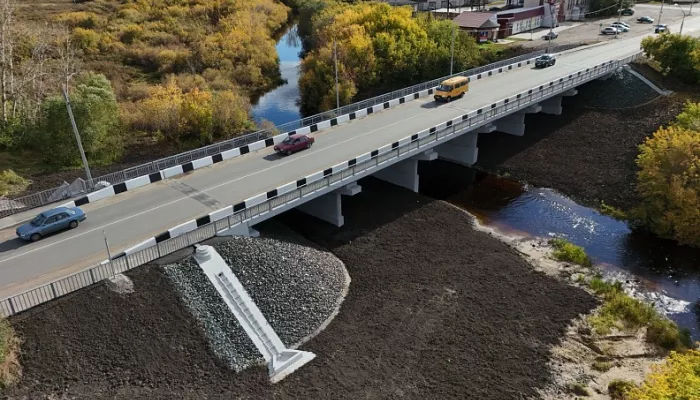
column 589, row 151
column 435, row 310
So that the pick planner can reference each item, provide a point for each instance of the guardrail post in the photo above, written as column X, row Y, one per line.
column 12, row 306
column 53, row 290
column 92, row 275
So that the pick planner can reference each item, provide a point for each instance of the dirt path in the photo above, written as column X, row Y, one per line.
column 435, row 310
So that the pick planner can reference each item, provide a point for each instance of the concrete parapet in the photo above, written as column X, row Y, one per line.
column 403, row 173
column 327, row 207
column 281, row 361
column 461, row 150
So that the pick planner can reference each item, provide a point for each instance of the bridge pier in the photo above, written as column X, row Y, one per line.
column 514, row 124
column 461, row 150
column 553, row 104
column 403, row 173
column 329, row 207
column 239, row 230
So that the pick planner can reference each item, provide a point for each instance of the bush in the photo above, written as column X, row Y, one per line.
column 677, row 378
column 668, row 183
column 10, row 369
column 11, row 183
column 678, row 55
column 602, row 366
column 97, row 118
column 87, row 40
column 567, row 251
column 80, row 19
column 578, row 389
column 690, row 117
column 619, row 388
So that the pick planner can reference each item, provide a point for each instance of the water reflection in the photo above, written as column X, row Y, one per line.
column 280, row 105
column 657, row 265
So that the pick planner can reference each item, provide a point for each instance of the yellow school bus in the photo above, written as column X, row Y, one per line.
column 452, row 88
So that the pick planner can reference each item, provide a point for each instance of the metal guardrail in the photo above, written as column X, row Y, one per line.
column 45, row 197
column 31, row 298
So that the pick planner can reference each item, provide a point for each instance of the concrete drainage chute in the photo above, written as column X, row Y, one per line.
column 281, row 361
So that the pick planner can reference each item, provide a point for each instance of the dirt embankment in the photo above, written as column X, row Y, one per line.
column 589, row 151
column 435, row 310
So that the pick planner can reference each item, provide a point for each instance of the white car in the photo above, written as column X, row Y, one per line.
column 610, row 31
column 622, row 24
column 620, row 27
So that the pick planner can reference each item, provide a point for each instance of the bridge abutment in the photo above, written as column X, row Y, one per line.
column 461, row 150
column 403, row 173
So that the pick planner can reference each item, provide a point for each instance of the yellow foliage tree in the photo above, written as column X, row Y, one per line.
column 669, row 184
column 678, row 378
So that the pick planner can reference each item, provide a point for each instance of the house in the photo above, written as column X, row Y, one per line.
column 563, row 10
column 432, row 5
column 518, row 20
column 398, row 3
column 482, row 25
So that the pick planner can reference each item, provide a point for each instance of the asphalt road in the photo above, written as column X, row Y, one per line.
column 134, row 216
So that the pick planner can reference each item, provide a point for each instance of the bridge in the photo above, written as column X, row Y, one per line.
column 228, row 193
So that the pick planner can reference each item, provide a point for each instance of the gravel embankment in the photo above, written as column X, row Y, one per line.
column 296, row 287
column 621, row 90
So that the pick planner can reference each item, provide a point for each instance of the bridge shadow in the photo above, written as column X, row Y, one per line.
column 378, row 204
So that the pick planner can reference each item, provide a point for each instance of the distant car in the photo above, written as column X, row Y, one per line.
column 545, row 60
column 627, row 11
column 645, row 20
column 551, row 36
column 620, row 23
column 50, row 221
column 294, row 143
column 610, row 31
column 660, row 28
column 620, row 27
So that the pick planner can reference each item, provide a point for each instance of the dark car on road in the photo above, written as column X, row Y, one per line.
column 294, row 143
column 51, row 221
column 545, row 60
column 645, row 20
column 627, row 12
column 551, row 36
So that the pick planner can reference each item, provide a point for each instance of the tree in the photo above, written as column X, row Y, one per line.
column 690, row 117
column 678, row 55
column 606, row 8
column 668, row 183
column 97, row 118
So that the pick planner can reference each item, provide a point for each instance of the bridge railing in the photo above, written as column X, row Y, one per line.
column 370, row 163
column 19, row 204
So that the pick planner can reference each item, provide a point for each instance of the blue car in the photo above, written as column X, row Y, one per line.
column 51, row 221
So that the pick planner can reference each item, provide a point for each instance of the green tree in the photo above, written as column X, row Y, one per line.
column 606, row 8
column 677, row 55
column 668, row 182
column 690, row 117
column 97, row 118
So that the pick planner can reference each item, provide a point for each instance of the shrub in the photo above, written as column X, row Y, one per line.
column 11, row 183
column 676, row 378
column 690, row 117
column 10, row 369
column 567, row 251
column 668, row 183
column 87, row 39
column 619, row 388
column 578, row 389
column 602, row 366
column 80, row 19
column 611, row 211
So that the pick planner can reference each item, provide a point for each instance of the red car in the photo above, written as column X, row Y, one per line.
column 294, row 143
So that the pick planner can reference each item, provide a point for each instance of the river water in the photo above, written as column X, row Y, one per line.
column 656, row 270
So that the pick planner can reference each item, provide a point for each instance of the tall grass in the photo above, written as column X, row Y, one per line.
column 10, row 369
column 567, row 251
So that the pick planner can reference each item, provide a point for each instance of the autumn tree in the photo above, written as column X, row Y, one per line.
column 677, row 55
column 668, row 183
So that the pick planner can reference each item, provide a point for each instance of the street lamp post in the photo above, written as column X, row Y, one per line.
column 452, row 47
column 660, row 12
column 680, row 32
column 337, row 89
column 619, row 18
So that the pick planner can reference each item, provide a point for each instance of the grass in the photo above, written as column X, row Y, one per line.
column 578, row 389
column 10, row 370
column 618, row 388
column 602, row 366
column 613, row 212
column 11, row 183
column 624, row 312
column 569, row 252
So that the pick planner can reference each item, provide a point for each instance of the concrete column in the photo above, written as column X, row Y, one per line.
column 461, row 150
column 403, row 173
column 242, row 229
column 350, row 189
column 328, row 208
column 552, row 106
column 513, row 124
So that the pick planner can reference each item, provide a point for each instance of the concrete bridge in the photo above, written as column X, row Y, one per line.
column 228, row 193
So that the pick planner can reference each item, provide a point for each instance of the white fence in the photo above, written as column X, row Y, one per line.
column 408, row 147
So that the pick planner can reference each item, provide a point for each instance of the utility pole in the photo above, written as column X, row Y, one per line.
column 660, row 12
column 337, row 90
column 109, row 254
column 619, row 18
column 680, row 32
column 452, row 47
column 77, row 137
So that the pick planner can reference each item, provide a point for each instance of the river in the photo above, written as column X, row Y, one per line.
column 657, row 270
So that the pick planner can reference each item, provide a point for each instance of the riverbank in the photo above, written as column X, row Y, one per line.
column 436, row 308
